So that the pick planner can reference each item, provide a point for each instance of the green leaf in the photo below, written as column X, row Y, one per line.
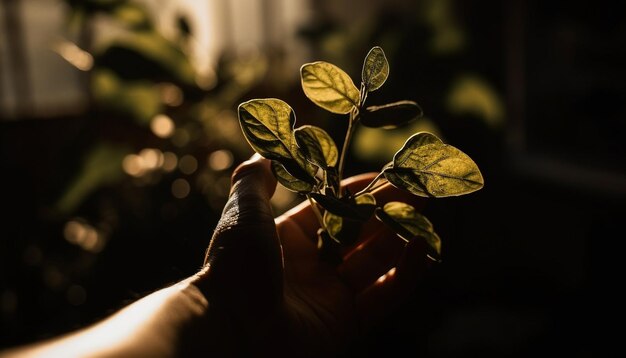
column 425, row 166
column 141, row 55
column 341, row 229
column 344, row 227
column 140, row 100
column 329, row 87
column 375, row 69
column 267, row 125
column 407, row 223
column 391, row 115
column 359, row 208
column 334, row 224
column 135, row 16
column 289, row 181
column 317, row 146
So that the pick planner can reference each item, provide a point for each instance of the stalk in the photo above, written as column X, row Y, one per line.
column 316, row 211
column 344, row 149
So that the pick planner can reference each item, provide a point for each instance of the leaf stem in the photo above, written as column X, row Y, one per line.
column 369, row 186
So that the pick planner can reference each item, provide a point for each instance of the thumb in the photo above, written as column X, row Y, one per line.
column 243, row 260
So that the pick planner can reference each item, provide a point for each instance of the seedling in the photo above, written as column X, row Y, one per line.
column 306, row 159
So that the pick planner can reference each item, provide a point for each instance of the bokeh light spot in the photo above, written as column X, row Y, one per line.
column 84, row 235
column 151, row 158
column 133, row 165
column 220, row 160
column 188, row 164
column 171, row 94
column 162, row 126
column 180, row 188
column 73, row 54
column 170, row 161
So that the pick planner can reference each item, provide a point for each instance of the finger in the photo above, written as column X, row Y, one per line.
column 300, row 254
column 244, row 257
column 394, row 287
column 378, row 252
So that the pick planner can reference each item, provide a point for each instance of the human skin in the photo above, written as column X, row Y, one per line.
column 262, row 290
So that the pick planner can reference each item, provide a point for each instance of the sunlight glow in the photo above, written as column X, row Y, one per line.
column 388, row 275
column 84, row 235
column 73, row 54
column 220, row 160
column 133, row 165
column 162, row 126
column 151, row 158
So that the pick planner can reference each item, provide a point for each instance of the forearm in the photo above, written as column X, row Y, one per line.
column 151, row 326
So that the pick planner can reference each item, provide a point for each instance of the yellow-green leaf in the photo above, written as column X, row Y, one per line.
column 408, row 223
column 375, row 69
column 342, row 230
column 329, row 87
column 267, row 125
column 391, row 115
column 317, row 146
column 425, row 166
column 359, row 208
column 289, row 181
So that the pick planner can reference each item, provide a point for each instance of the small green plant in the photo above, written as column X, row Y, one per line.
column 306, row 159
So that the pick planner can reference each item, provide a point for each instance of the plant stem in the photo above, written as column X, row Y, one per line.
column 317, row 212
column 344, row 149
column 354, row 118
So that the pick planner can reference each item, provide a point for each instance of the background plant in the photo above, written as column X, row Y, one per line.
column 306, row 159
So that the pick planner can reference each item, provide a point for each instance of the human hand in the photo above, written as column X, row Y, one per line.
column 270, row 294
column 263, row 290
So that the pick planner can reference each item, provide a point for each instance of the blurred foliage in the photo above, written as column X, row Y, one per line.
column 429, row 42
column 139, row 75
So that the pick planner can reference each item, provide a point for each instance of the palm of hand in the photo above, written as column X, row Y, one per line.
column 266, row 274
column 331, row 304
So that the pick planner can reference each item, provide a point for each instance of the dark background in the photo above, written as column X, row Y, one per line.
column 531, row 263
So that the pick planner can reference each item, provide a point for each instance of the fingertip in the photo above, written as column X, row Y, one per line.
column 258, row 171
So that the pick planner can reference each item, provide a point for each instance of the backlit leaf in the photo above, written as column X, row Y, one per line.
column 375, row 69
column 267, row 125
column 391, row 115
column 360, row 208
column 341, row 229
column 147, row 54
column 317, row 146
column 425, row 166
column 405, row 221
column 329, row 87
column 289, row 181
